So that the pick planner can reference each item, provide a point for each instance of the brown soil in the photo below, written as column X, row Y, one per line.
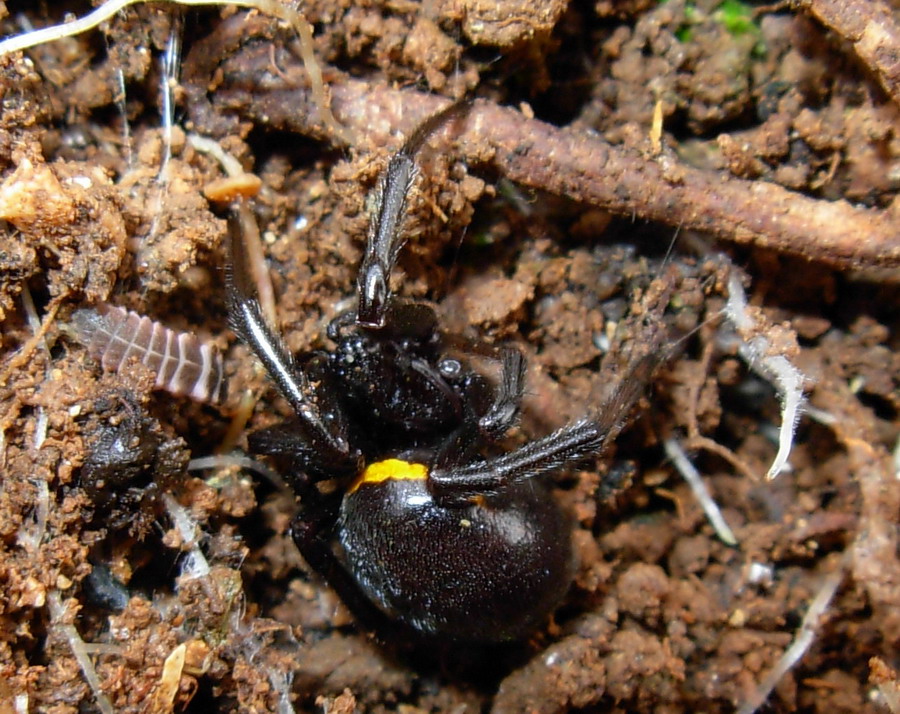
column 545, row 221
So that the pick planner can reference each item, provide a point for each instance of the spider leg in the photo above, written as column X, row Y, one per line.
column 493, row 424
column 385, row 238
column 504, row 411
column 569, row 445
column 320, row 416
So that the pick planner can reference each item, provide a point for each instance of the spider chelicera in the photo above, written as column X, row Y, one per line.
column 422, row 531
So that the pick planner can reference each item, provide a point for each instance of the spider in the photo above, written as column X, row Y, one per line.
column 421, row 531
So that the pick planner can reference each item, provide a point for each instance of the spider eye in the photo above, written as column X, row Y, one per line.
column 450, row 368
column 373, row 293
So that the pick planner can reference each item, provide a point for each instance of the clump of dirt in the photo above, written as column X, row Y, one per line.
column 140, row 576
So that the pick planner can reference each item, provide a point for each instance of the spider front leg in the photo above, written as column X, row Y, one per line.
column 321, row 421
column 385, row 238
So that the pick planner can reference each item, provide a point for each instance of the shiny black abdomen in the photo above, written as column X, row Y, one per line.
column 480, row 573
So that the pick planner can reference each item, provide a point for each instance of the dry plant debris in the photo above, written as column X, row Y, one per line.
column 145, row 567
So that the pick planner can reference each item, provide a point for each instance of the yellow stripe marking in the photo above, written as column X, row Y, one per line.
column 390, row 469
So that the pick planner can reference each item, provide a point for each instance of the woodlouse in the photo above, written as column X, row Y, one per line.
column 182, row 362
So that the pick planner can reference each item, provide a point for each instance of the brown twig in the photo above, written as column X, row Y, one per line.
column 870, row 26
column 579, row 165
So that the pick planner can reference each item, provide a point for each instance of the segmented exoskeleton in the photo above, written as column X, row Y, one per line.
column 183, row 363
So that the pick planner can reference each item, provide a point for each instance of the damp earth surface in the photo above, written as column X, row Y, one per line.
column 616, row 151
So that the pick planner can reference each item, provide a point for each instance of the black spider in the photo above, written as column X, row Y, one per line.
column 421, row 530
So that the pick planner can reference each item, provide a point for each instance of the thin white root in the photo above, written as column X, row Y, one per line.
column 272, row 8
column 789, row 380
column 79, row 650
column 230, row 165
column 281, row 682
column 90, row 21
column 31, row 535
column 221, row 461
column 20, row 357
column 168, row 81
column 195, row 565
column 170, row 61
column 684, row 466
column 758, row 351
column 34, row 322
column 803, row 639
